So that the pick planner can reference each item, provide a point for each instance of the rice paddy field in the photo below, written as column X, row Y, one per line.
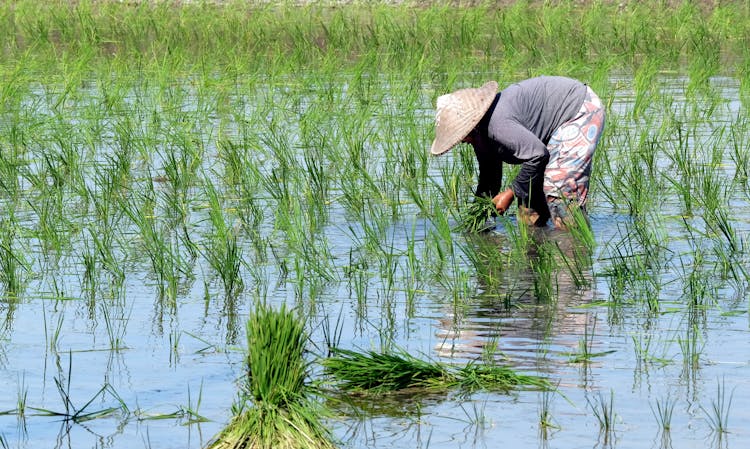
column 166, row 168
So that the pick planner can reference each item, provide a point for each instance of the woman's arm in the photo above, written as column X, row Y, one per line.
column 490, row 169
column 524, row 148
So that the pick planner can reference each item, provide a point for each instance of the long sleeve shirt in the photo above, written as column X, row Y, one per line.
column 517, row 128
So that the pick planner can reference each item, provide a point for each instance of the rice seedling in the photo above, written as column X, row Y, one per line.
column 191, row 411
column 52, row 336
column 75, row 414
column 489, row 262
column 479, row 215
column 577, row 265
column 718, row 416
column 104, row 250
column 586, row 344
column 543, row 265
column 395, row 369
column 167, row 262
column 245, row 178
column 740, row 150
column 222, row 251
column 691, row 347
column 275, row 408
column 116, row 327
column 13, row 263
column 21, row 406
column 546, row 420
column 603, row 411
column 644, row 354
column 663, row 413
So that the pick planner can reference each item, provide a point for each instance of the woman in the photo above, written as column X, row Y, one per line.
column 550, row 125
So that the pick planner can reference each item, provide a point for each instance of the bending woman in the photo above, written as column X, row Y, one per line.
column 550, row 125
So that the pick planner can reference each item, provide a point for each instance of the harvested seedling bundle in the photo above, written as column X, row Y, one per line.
column 396, row 369
column 479, row 215
column 275, row 409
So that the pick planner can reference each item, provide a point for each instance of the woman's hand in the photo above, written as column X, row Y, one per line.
column 503, row 200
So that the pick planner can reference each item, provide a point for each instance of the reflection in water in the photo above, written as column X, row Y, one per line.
column 529, row 287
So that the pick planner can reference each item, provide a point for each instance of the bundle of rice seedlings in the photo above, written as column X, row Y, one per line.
column 396, row 369
column 475, row 376
column 275, row 409
column 381, row 371
column 478, row 215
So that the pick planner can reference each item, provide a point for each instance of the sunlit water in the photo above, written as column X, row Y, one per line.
column 130, row 352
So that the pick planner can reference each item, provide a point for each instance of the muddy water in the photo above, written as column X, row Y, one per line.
column 136, row 371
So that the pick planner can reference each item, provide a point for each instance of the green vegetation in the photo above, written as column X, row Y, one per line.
column 396, row 369
column 159, row 155
column 275, row 409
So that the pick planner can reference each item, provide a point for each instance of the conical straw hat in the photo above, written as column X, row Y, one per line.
column 458, row 113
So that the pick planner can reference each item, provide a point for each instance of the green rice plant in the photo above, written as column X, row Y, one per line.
column 11, row 161
column 180, row 163
column 381, row 371
column 704, row 52
column 79, row 414
column 544, row 267
column 223, row 252
column 358, row 275
column 644, row 354
column 13, row 263
column 488, row 260
column 476, row 376
column 575, row 269
column 586, row 344
column 603, row 411
column 413, row 271
column 21, row 401
column 691, row 347
column 244, row 177
column 105, row 251
column 546, row 421
column 478, row 215
column 635, row 261
column 90, row 268
column 663, row 413
column 191, row 411
column 740, row 149
column 52, row 336
column 116, row 326
column 699, row 288
column 275, row 409
column 395, row 369
column 167, row 262
column 54, row 229
column 522, row 241
column 580, row 229
column 718, row 416
column 644, row 83
column 21, row 406
column 685, row 177
column 105, row 195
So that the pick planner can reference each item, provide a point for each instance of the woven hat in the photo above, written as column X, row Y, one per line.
column 458, row 113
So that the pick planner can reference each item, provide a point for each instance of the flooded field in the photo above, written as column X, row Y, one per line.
column 148, row 210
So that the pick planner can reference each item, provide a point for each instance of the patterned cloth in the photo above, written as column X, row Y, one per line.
column 571, row 149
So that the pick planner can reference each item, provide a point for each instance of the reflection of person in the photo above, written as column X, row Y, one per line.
column 550, row 125
column 522, row 310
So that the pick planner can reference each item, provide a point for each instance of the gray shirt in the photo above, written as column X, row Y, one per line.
column 517, row 128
